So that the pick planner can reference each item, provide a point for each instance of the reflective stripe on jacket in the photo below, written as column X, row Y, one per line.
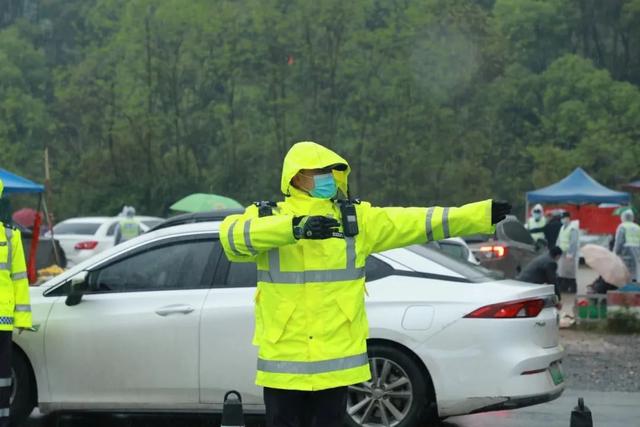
column 15, row 308
column 311, row 324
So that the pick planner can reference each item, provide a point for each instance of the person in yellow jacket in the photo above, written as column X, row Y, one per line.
column 15, row 309
column 310, row 250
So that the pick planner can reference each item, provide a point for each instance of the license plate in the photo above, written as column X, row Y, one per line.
column 556, row 373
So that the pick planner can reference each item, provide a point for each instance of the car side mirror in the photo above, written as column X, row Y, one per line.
column 78, row 287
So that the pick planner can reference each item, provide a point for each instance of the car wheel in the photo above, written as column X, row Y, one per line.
column 22, row 403
column 396, row 395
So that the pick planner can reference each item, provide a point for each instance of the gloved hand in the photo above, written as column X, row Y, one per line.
column 499, row 210
column 314, row 227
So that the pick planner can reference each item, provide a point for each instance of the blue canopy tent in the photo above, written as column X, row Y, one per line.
column 577, row 188
column 17, row 184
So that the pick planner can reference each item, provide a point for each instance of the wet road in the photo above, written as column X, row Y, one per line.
column 610, row 409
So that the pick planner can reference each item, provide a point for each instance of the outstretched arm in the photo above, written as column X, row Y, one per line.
column 388, row 228
column 244, row 236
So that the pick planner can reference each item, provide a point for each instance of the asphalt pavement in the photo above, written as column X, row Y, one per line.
column 609, row 409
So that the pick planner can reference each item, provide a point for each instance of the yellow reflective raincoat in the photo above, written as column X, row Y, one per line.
column 311, row 324
column 15, row 309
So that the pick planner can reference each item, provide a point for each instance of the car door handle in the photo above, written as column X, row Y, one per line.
column 174, row 309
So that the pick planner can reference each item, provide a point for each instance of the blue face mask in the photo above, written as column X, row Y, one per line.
column 324, row 186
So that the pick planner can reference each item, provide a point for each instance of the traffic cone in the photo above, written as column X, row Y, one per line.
column 581, row 415
column 232, row 415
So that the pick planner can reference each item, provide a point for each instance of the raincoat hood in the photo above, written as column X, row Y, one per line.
column 538, row 208
column 309, row 155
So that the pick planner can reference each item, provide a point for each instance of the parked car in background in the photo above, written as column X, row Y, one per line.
column 46, row 253
column 83, row 237
column 189, row 318
column 509, row 250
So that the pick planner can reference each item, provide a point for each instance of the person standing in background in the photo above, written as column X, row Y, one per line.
column 535, row 221
column 568, row 263
column 627, row 243
column 128, row 227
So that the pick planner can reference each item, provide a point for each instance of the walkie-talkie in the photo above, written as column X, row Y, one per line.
column 265, row 207
column 349, row 217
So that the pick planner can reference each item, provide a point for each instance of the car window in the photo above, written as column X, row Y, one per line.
column 242, row 275
column 377, row 269
column 112, row 229
column 177, row 265
column 467, row 270
column 87, row 228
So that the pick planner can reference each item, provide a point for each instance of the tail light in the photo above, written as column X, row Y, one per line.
column 511, row 310
column 89, row 244
column 494, row 251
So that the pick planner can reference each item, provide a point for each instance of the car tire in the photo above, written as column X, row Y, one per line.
column 22, row 402
column 393, row 371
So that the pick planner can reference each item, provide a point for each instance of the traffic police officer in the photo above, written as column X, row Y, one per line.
column 128, row 227
column 310, row 250
column 15, row 310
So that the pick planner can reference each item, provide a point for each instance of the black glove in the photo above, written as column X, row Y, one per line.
column 314, row 227
column 499, row 210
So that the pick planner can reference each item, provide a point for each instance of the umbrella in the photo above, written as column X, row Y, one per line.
column 621, row 209
column 25, row 217
column 200, row 202
column 606, row 264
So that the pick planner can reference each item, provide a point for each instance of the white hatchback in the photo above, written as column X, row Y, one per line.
column 83, row 237
column 164, row 323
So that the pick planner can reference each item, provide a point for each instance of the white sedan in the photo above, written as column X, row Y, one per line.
column 83, row 237
column 164, row 323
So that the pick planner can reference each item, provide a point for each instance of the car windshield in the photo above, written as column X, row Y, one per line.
column 471, row 272
column 86, row 228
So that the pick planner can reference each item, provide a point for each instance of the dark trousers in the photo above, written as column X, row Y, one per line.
column 294, row 408
column 5, row 377
column 567, row 285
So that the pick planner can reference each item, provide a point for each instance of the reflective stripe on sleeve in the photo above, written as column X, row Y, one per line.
column 22, row 307
column 232, row 243
column 275, row 275
column 445, row 223
column 9, row 234
column 18, row 276
column 247, row 238
column 5, row 382
column 428, row 225
column 319, row 367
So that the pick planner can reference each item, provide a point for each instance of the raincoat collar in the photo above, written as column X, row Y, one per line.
column 310, row 155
